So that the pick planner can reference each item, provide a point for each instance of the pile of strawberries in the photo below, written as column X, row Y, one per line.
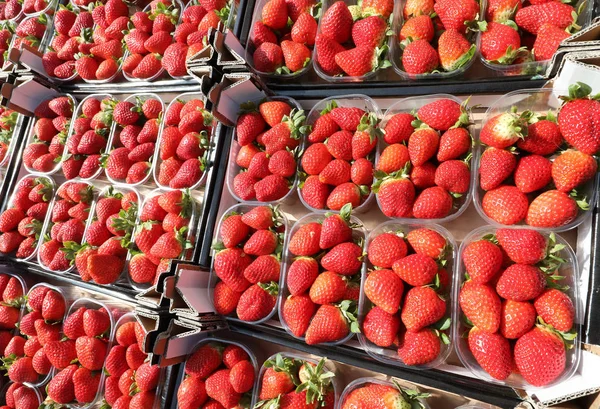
column 522, row 319
column 87, row 139
column 368, row 395
column 294, row 382
column 424, row 172
column 53, row 118
column 134, row 140
column 190, row 35
column 408, row 288
column 526, row 173
column 70, row 213
column 106, row 238
column 148, row 41
column 162, row 234
column 31, row 31
column 248, row 263
column 338, row 162
column 424, row 50
column 35, row 6
column 131, row 380
column 22, row 223
column 19, row 396
column 516, row 34
column 78, row 49
column 10, row 308
column 10, row 9
column 268, row 137
column 216, row 375
column 86, row 332
column 278, row 46
column 323, row 291
column 8, row 122
column 351, row 39
column 183, row 144
column 31, row 357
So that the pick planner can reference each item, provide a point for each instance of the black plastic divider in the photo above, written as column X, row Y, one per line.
column 501, row 396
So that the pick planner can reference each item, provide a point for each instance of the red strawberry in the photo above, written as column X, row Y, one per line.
column 314, row 193
column 540, row 356
column 432, row 203
column 552, row 208
column 577, row 119
column 268, row 57
column 422, row 146
column 522, row 246
column 517, row 318
column 481, row 305
column 303, row 31
column 384, row 288
column 495, row 166
column 336, row 23
column 571, row 169
column 483, row 260
column 521, row 282
column 492, row 352
column 505, row 204
column 454, row 176
column 455, row 15
column 220, row 389
column 149, row 66
column 204, row 361
column 360, row 60
column 301, row 275
column 305, row 242
column 396, row 196
column 533, row 173
column 556, row 309
column 532, row 18
column 419, row 57
column 330, row 323
column 416, row 269
column 501, row 43
column 225, row 299
column 419, row 348
column 380, row 327
column 385, row 249
column 344, row 258
column 257, row 301
column 297, row 313
column 327, row 49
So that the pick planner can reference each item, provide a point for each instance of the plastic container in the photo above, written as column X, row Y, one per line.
column 3, row 391
column 32, row 134
column 534, row 67
column 213, row 280
column 358, row 233
column 250, row 48
column 340, row 78
column 390, row 355
column 185, row 97
column 409, row 105
column 360, row 382
column 42, row 380
column 352, row 100
column 113, row 135
column 48, row 213
column 179, row 6
column 76, row 115
column 396, row 51
column 570, row 270
column 329, row 365
column 24, row 287
column 233, row 169
column 209, row 340
column 540, row 101
column 95, row 304
column 48, row 225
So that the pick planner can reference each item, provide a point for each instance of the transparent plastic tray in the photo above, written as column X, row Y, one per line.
column 31, row 135
column 23, row 308
column 76, row 115
column 408, row 105
column 47, row 224
column 357, row 383
column 45, row 38
column 213, row 280
column 540, row 101
column 352, row 100
column 48, row 213
column 336, row 383
column 185, row 97
column 233, row 169
column 250, row 48
column 389, row 355
column 113, row 136
column 358, row 233
column 533, row 67
column 570, row 270
column 396, row 51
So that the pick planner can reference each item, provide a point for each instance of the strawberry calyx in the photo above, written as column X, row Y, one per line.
column 72, row 249
column 272, row 288
column 439, row 327
column 368, row 123
column 295, row 121
column 567, row 337
column 382, row 177
column 411, row 396
column 356, row 12
column 110, row 192
column 47, row 188
column 579, row 90
column 329, row 107
column 186, row 204
column 581, row 201
column 349, row 310
column 287, row 365
column 317, row 381
column 277, row 217
column 379, row 59
column 170, row 11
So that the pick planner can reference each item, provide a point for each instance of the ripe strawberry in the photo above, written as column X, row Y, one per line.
column 456, row 15
column 21, row 371
column 442, row 114
column 315, row 158
column 360, row 60
column 483, row 260
column 381, row 327
column 90, row 352
column 533, row 17
column 396, row 195
column 261, row 242
column 517, row 318
column 327, row 49
column 417, row 28
column 385, row 249
column 572, row 169
column 346, row 193
column 268, row 57
column 204, row 361
column 233, row 230
column 432, row 203
column 149, row 66
column 521, row 282
column 271, row 188
column 295, row 55
column 191, row 393
column 481, row 305
column 344, row 258
column 225, row 299
column 257, row 301
column 501, row 43
column 264, row 268
column 384, row 288
column 523, row 246
column 556, row 309
column 60, row 388
column 314, row 193
column 548, row 40
column 419, row 57
column 577, row 119
column 327, row 288
column 533, row 173
column 60, row 353
column 85, row 384
column 220, row 389
column 552, row 208
column 305, row 242
column 302, row 273
column 104, row 268
column 229, row 265
column 297, row 312
column 505, row 204
column 330, row 323
column 416, row 269
column 495, row 166
column 53, row 307
column 335, row 173
column 454, row 50
column 540, row 356
column 336, row 23
column 303, row 31
column 419, row 348
column 492, row 352
column 422, row 146
column 248, row 127
column 274, row 14
column 454, row 176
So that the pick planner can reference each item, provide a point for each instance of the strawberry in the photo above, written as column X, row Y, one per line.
column 492, row 352
column 417, row 28
column 543, row 138
column 432, row 203
column 295, row 55
column 344, row 258
column 191, row 393
column 142, row 400
column 455, row 51
column 517, row 318
column 419, row 57
column 456, row 15
column 85, row 384
column 315, row 158
column 336, row 23
column 204, row 361
column 229, row 265
column 422, row 145
column 241, row 376
column 361, row 60
column 248, row 127
column 577, row 119
column 268, row 57
column 149, row 66
column 522, row 246
column 481, row 305
column 220, row 389
column 505, row 204
column 233, row 230
column 9, row 317
column 225, row 299
column 533, row 173
column 90, row 352
column 443, row 114
column 53, row 307
column 104, row 268
column 263, row 269
column 303, row 31
column 420, row 347
column 454, row 176
column 393, row 158
column 521, row 282
column 385, row 249
column 380, row 327
column 495, row 166
column 556, row 309
column 257, row 301
column 552, row 208
column 483, row 260
column 548, row 40
column 533, row 17
column 21, row 370
column 274, row 14
column 396, row 195
column 95, row 323
column 61, row 388
column 416, row 269
column 9, row 219
column 501, row 43
column 60, row 353
column 305, row 242
column 540, row 356
column 261, row 242
column 384, row 288
column 297, row 312
column 571, row 169
column 327, row 49
column 158, row 42
column 382, row 8
column 346, row 193
column 335, row 173
column 330, row 323
column 369, row 31
column 272, row 187
column 315, row 193
column 327, row 288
